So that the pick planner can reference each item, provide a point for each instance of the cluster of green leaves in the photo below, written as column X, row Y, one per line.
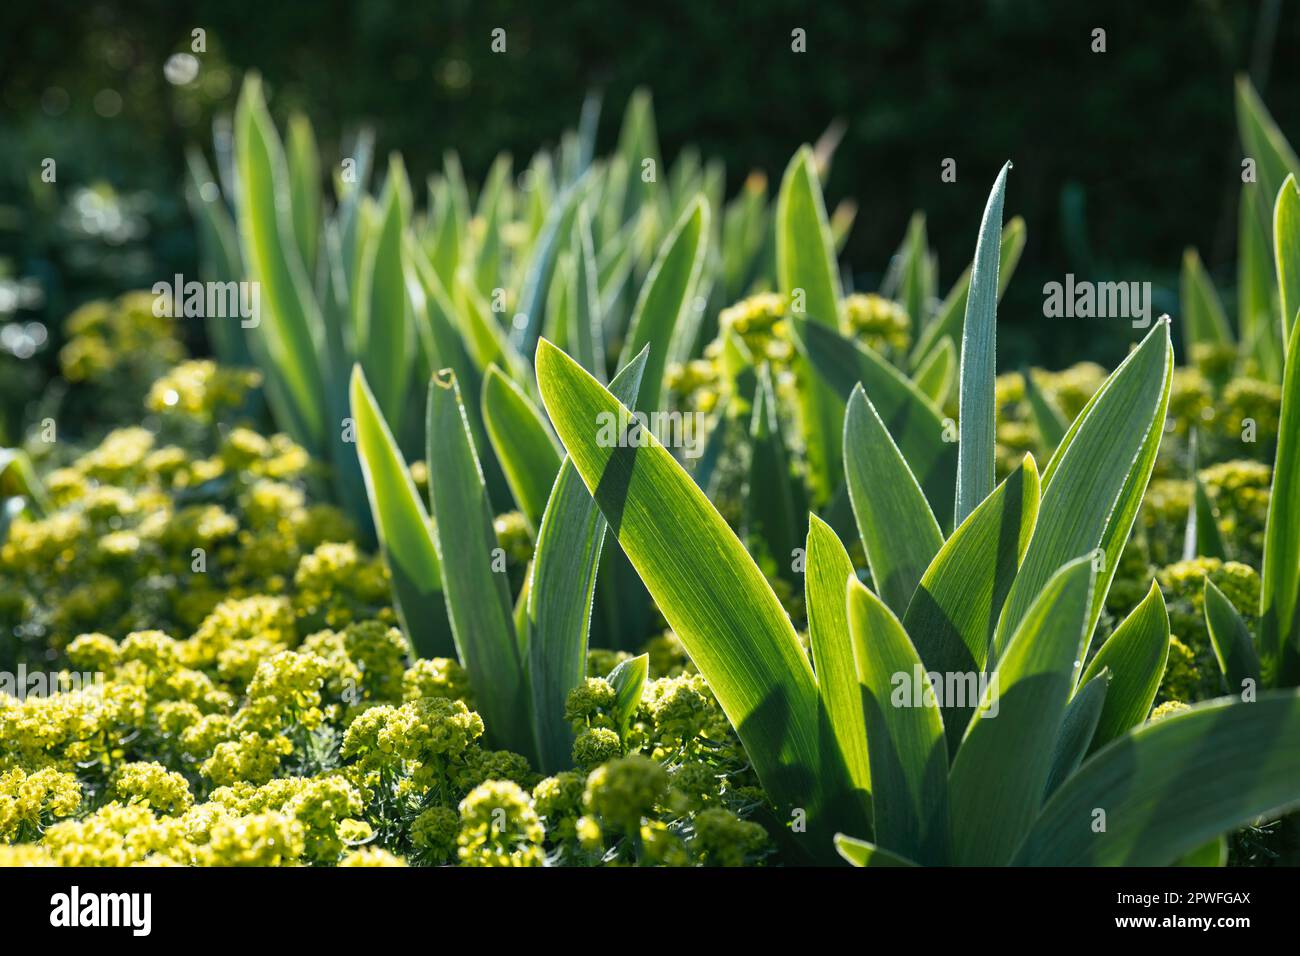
column 600, row 269
column 569, row 248
column 1268, row 306
column 288, row 723
column 525, row 652
column 1012, row 594
column 1271, row 657
column 592, row 252
column 540, row 645
column 1268, row 256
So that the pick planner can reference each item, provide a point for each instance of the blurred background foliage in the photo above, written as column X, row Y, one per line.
column 1122, row 158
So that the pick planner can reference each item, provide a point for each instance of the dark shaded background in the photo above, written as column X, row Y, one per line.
column 1121, row 159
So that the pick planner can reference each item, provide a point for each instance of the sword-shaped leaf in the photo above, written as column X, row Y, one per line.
column 290, row 321
column 1135, row 656
column 810, row 278
column 978, row 366
column 1279, row 626
column 908, row 414
column 220, row 261
column 897, row 526
column 1077, row 729
column 935, row 374
column 1094, row 483
column 536, row 285
column 667, row 295
column 1202, row 536
column 304, row 188
column 1286, row 251
column 405, row 532
column 905, row 737
column 562, row 586
column 1257, row 294
column 1165, row 789
column 952, row 615
column 827, row 568
column 1001, row 770
column 477, row 593
column 1262, row 141
column 773, row 507
column 1047, row 418
column 915, row 279
column 586, row 327
column 1274, row 159
column 712, row 595
column 522, row 443
column 1233, row 646
column 385, row 340
column 947, row 321
column 1204, row 322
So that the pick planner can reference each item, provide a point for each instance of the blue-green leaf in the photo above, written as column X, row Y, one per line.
column 1159, row 792
column 947, row 321
column 1077, row 729
column 1047, row 418
column 562, row 585
column 477, row 593
column 905, row 737
column 908, row 414
column 1095, row 481
column 1001, row 770
column 1233, row 647
column 952, row 615
column 667, row 295
column 522, row 442
column 897, row 527
column 712, row 595
column 978, row 366
column 773, row 505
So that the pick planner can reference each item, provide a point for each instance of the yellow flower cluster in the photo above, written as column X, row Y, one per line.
column 202, row 390
column 104, row 335
column 143, row 536
column 1192, row 673
column 879, row 323
column 499, row 827
column 29, row 801
column 252, row 702
column 760, row 322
